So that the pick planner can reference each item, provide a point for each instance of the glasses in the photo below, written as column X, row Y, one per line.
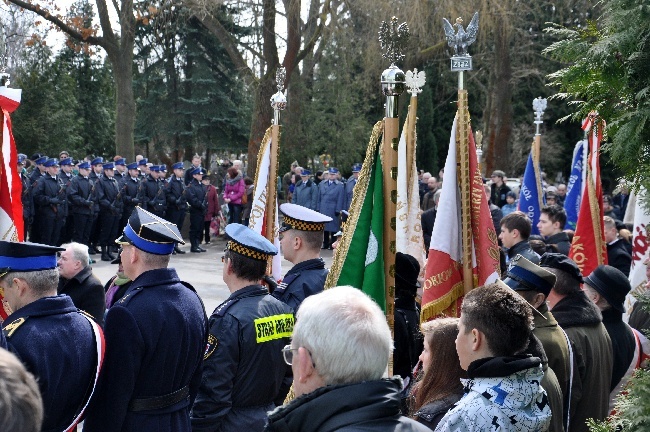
column 287, row 353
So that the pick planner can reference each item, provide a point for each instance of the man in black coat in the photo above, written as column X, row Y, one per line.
column 82, row 198
column 176, row 199
column 96, row 168
column 155, row 338
column 196, row 198
column 65, row 177
column 110, row 204
column 152, row 192
column 51, row 204
column 77, row 280
column 499, row 189
column 618, row 255
column 26, row 196
column 551, row 225
column 131, row 193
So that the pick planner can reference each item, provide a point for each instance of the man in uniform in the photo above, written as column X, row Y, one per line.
column 176, row 200
column 143, row 165
column 131, row 195
column 51, row 203
column 26, row 197
column 196, row 163
column 37, row 172
column 65, row 177
column 110, row 204
column 534, row 284
column 301, row 236
column 331, row 198
column 350, row 184
column 96, row 168
column 155, row 338
column 592, row 347
column 55, row 342
column 306, row 192
column 81, row 196
column 120, row 169
column 197, row 200
column 153, row 193
column 243, row 368
column 40, row 169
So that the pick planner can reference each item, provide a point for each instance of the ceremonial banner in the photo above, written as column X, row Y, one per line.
column 11, row 207
column 531, row 195
column 409, row 238
column 588, row 248
column 358, row 259
column 258, row 218
column 443, row 284
column 638, row 277
column 575, row 185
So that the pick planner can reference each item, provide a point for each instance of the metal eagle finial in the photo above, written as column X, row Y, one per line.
column 461, row 39
column 393, row 39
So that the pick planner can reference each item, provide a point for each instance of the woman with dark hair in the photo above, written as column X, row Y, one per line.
column 440, row 387
column 232, row 194
column 246, row 208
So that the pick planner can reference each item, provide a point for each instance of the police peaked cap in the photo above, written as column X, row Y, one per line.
column 97, row 161
column 26, row 257
column 132, row 166
column 84, row 165
column 143, row 161
column 523, row 275
column 301, row 218
column 41, row 160
column 246, row 242
column 120, row 161
column 108, row 166
column 150, row 233
column 65, row 161
column 51, row 163
column 197, row 170
column 178, row 165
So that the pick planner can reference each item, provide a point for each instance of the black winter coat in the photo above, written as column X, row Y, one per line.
column 86, row 292
column 50, row 198
column 81, row 195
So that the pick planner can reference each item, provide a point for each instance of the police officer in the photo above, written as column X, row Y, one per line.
column 26, row 195
column 81, row 197
column 243, row 368
column 143, row 165
column 47, row 332
column 96, row 168
column 196, row 198
column 350, row 184
column 66, row 176
column 50, row 199
column 110, row 204
column 120, row 170
column 331, row 199
column 130, row 193
column 39, row 169
column 36, row 173
column 155, row 338
column 176, row 200
column 153, row 193
column 301, row 236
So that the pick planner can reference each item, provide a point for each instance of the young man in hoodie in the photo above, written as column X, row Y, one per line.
column 503, row 391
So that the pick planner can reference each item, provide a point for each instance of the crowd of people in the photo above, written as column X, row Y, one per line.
column 543, row 348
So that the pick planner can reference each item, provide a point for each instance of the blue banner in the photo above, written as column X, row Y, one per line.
column 531, row 195
column 574, row 187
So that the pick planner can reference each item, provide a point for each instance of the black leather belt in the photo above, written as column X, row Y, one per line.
column 159, row 402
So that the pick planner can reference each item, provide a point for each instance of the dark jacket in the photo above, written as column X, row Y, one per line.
column 498, row 194
column 523, row 248
column 243, row 367
column 304, row 279
column 107, row 191
column 155, row 339
column 408, row 339
column 153, row 195
column 81, row 195
column 50, row 197
column 131, row 195
column 176, row 199
column 558, row 243
column 86, row 292
column 428, row 219
column 619, row 257
column 57, row 344
column 592, row 348
column 196, row 197
column 365, row 406
column 623, row 344
column 430, row 414
column 306, row 194
column 26, row 198
column 65, row 180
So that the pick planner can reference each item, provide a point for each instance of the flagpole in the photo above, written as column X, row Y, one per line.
column 460, row 63
column 393, row 38
column 414, row 81
column 278, row 103
column 539, row 106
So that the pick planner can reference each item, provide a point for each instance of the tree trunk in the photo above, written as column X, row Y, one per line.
column 500, row 106
column 261, row 119
column 125, row 103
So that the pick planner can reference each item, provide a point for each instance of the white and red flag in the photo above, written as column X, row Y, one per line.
column 589, row 249
column 260, row 217
column 11, row 188
column 443, row 283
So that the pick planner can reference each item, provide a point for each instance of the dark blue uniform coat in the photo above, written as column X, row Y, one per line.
column 57, row 344
column 243, row 368
column 155, row 340
column 304, row 279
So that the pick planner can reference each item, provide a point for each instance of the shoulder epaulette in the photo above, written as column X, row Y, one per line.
column 83, row 312
column 124, row 300
column 11, row 328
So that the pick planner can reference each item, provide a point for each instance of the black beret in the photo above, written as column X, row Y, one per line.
column 561, row 262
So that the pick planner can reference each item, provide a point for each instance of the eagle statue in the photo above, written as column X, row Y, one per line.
column 461, row 39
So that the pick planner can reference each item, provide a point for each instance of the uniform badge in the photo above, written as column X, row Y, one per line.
column 13, row 326
column 210, row 346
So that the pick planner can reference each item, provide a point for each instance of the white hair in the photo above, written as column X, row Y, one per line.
column 346, row 333
column 79, row 252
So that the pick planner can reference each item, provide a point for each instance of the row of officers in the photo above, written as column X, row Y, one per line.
column 93, row 206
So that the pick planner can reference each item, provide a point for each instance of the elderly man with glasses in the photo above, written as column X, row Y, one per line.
column 243, row 369
column 339, row 352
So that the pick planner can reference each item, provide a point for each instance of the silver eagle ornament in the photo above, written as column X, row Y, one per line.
column 461, row 39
